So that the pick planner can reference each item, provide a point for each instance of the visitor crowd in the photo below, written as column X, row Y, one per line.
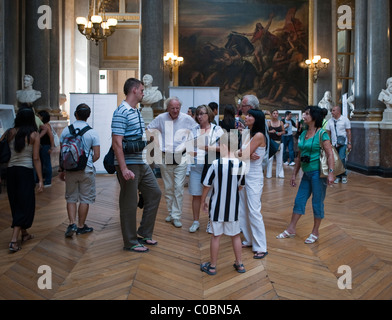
column 227, row 161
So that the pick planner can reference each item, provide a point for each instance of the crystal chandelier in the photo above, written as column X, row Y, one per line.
column 96, row 27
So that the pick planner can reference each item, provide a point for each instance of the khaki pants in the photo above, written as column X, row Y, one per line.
column 147, row 184
column 173, row 177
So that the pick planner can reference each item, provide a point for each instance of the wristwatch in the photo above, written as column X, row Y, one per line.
column 331, row 171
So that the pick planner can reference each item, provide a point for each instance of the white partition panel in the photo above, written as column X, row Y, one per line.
column 102, row 108
column 195, row 96
column 7, row 117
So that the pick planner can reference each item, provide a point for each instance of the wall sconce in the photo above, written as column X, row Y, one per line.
column 171, row 61
column 317, row 64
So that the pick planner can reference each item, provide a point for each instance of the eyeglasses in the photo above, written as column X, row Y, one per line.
column 201, row 113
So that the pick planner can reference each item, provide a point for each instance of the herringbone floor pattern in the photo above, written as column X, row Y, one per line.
column 357, row 232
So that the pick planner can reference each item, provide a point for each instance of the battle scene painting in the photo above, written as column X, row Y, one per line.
column 246, row 47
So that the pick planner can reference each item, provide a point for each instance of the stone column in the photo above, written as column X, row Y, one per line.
column 371, row 138
column 54, row 57
column 37, row 46
column 323, row 47
column 10, row 66
column 378, row 55
column 360, row 63
column 42, row 54
column 151, row 57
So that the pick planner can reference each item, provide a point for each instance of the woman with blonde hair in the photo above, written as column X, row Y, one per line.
column 206, row 136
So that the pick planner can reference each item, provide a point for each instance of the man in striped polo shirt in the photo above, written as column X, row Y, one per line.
column 133, row 172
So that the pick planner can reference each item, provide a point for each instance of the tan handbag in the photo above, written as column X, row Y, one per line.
column 324, row 168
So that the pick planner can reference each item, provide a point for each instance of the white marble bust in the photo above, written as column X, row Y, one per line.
column 386, row 95
column 151, row 94
column 28, row 94
column 326, row 102
column 351, row 99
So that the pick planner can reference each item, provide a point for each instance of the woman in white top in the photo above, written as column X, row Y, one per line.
column 24, row 143
column 253, row 151
column 206, row 137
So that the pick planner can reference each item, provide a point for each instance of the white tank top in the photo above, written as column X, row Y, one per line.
column 22, row 159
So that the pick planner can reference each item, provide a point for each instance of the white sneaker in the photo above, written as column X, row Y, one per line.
column 344, row 180
column 292, row 164
column 177, row 223
column 337, row 180
column 195, row 226
column 168, row 218
column 286, row 163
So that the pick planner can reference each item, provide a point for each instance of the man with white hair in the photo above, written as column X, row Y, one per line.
column 171, row 129
column 249, row 102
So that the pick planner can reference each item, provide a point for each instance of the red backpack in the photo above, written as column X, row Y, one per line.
column 72, row 154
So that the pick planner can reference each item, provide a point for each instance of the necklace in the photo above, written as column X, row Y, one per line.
column 310, row 135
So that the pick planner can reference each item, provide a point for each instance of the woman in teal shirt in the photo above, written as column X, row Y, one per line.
column 309, row 161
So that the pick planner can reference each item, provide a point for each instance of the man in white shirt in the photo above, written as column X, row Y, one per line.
column 171, row 129
column 339, row 129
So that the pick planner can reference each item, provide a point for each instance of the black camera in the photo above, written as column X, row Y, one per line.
column 305, row 159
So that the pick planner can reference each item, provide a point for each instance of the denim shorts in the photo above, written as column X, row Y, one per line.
column 311, row 184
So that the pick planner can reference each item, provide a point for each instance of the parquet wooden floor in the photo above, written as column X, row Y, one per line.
column 357, row 232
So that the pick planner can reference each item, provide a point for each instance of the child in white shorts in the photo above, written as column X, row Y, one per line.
column 226, row 176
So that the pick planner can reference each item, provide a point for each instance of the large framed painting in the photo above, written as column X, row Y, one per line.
column 246, row 47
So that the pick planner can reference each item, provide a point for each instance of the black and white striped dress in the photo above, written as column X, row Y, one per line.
column 225, row 176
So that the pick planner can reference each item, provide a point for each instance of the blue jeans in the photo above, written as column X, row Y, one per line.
column 288, row 142
column 311, row 184
column 46, row 164
column 342, row 154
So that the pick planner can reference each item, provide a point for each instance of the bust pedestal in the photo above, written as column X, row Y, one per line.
column 147, row 114
column 387, row 117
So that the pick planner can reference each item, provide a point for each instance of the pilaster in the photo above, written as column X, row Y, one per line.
column 151, row 46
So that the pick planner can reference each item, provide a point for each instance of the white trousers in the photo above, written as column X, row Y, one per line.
column 173, row 177
column 279, row 164
column 251, row 220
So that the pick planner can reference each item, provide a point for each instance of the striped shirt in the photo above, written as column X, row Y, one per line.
column 128, row 122
column 225, row 175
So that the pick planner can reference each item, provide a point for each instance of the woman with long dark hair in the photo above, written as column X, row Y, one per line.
column 309, row 161
column 253, row 150
column 47, row 146
column 24, row 143
column 276, row 131
column 228, row 122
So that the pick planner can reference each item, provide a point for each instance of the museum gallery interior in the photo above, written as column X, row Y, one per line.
column 290, row 54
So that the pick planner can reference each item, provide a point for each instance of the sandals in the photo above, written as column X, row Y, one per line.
column 27, row 237
column 312, row 239
column 12, row 247
column 245, row 245
column 239, row 267
column 285, row 235
column 136, row 248
column 260, row 255
column 147, row 241
column 207, row 268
